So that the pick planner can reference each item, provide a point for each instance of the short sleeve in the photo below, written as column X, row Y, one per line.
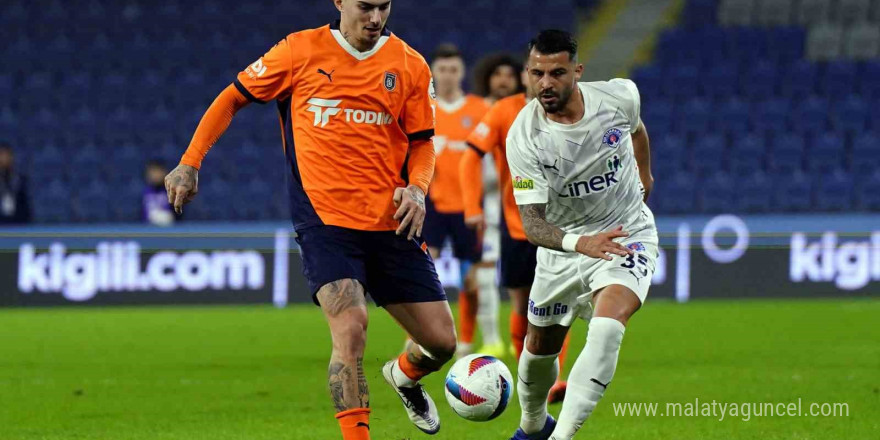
column 418, row 111
column 529, row 184
column 633, row 100
column 486, row 135
column 270, row 77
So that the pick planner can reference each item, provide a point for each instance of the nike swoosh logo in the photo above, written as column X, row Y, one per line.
column 604, row 385
column 524, row 382
column 359, row 424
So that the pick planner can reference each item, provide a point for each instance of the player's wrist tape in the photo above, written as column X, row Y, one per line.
column 569, row 242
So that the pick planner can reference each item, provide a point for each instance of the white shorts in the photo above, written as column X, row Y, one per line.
column 565, row 282
column 491, row 244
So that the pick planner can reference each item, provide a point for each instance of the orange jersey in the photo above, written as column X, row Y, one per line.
column 455, row 122
column 347, row 119
column 490, row 136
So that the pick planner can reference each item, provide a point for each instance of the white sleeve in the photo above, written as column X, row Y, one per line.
column 633, row 102
column 529, row 185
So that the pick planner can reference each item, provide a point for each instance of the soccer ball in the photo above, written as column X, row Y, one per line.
column 478, row 387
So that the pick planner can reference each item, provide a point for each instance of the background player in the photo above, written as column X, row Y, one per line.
column 572, row 153
column 457, row 114
column 362, row 102
column 497, row 76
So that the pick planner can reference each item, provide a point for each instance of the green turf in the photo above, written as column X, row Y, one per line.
column 259, row 373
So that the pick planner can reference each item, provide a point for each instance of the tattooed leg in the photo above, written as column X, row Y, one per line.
column 345, row 309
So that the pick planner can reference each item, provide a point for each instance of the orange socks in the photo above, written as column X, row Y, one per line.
column 467, row 316
column 355, row 424
column 411, row 371
column 519, row 324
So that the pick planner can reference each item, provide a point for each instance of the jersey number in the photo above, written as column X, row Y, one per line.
column 631, row 263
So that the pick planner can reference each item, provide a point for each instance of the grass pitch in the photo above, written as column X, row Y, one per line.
column 259, row 373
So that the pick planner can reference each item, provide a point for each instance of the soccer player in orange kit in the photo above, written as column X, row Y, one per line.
column 518, row 256
column 457, row 114
column 356, row 107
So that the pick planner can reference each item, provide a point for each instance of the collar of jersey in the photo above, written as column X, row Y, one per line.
column 360, row 56
column 454, row 106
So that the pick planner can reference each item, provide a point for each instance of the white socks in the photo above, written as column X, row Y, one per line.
column 591, row 374
column 487, row 305
column 536, row 375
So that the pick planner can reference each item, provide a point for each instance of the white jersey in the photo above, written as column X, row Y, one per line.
column 585, row 172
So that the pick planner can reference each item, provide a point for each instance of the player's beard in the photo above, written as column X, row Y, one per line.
column 562, row 98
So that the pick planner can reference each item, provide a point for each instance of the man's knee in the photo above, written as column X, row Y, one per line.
column 442, row 349
column 545, row 340
column 350, row 336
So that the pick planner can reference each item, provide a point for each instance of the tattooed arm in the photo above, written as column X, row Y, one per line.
column 541, row 233
column 538, row 230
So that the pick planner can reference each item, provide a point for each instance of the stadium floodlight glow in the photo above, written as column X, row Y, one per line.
column 736, row 251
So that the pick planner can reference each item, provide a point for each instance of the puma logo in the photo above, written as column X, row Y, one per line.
column 365, row 425
column 328, row 75
column 528, row 384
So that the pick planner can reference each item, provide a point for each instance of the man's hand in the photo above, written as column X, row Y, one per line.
column 601, row 244
column 182, row 185
column 476, row 222
column 410, row 203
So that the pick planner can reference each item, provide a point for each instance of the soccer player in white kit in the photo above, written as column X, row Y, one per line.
column 580, row 160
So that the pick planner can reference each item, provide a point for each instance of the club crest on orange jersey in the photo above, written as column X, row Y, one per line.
column 390, row 81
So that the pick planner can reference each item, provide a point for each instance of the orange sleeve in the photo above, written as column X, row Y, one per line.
column 470, row 174
column 420, row 165
column 270, row 77
column 486, row 135
column 215, row 121
column 418, row 111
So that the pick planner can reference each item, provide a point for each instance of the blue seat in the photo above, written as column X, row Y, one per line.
column 760, row 80
column 747, row 44
column 694, row 116
column 800, row 79
column 716, row 193
column 732, row 116
column 52, row 202
column 838, row 78
column 793, row 192
column 648, row 78
column 785, row 44
column 658, row 116
column 868, row 193
column 748, row 154
column 682, row 80
column 865, row 153
column 92, row 203
column 851, row 114
column 720, row 80
column 834, row 192
column 754, row 193
column 676, row 194
column 827, row 153
column 708, row 153
column 670, row 154
column 787, row 152
column 869, row 80
column 770, row 115
column 810, row 115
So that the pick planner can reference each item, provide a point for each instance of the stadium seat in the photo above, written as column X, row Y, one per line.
column 851, row 114
column 694, row 115
column 865, row 157
column 792, row 192
column 681, row 81
column 851, row 11
column 834, row 192
column 716, row 193
column 811, row 114
column 658, row 116
column 774, row 12
column 800, row 79
column 770, row 115
column 862, row 41
column 868, row 193
column 748, row 154
column 753, row 193
column 824, row 42
column 811, row 12
column 760, row 80
column 732, row 117
column 869, row 80
column 676, row 194
column 827, row 152
column 838, row 79
column 708, row 153
column 785, row 44
column 735, row 12
column 720, row 81
column 787, row 152
column 671, row 154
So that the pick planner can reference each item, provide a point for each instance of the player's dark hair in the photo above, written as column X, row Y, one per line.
column 552, row 41
column 4, row 145
column 446, row 50
column 157, row 163
column 487, row 66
